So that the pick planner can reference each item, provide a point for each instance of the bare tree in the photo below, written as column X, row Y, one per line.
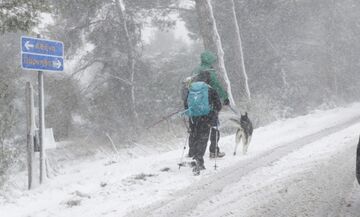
column 240, row 50
column 130, row 51
column 211, row 39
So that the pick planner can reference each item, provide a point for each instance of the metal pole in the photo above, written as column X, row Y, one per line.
column 165, row 118
column 216, row 146
column 41, row 123
column 183, row 151
column 30, row 134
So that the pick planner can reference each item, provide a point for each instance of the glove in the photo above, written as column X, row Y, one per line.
column 226, row 102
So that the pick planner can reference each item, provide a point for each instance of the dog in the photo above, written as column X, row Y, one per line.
column 243, row 133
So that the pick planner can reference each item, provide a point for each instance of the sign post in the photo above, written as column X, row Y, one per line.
column 30, row 125
column 42, row 55
column 41, row 124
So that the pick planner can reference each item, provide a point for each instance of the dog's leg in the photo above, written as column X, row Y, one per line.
column 246, row 143
column 237, row 140
column 245, row 147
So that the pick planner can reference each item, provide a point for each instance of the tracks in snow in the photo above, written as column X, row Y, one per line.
column 184, row 201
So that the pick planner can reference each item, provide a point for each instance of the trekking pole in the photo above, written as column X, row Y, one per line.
column 164, row 118
column 234, row 110
column 182, row 155
column 216, row 146
column 185, row 144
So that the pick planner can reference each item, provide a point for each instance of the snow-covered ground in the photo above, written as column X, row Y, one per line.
column 296, row 167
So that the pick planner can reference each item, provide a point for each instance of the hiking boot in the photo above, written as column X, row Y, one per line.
column 202, row 167
column 219, row 155
column 196, row 169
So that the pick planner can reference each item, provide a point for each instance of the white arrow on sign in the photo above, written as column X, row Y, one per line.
column 57, row 64
column 28, row 45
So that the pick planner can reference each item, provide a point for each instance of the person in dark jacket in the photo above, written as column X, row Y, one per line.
column 201, row 126
column 207, row 60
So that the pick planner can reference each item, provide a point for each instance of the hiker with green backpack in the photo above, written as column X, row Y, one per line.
column 207, row 61
column 202, row 105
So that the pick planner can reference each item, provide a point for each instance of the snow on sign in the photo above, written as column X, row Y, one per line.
column 41, row 54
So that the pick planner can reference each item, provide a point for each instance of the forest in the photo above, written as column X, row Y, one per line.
column 126, row 61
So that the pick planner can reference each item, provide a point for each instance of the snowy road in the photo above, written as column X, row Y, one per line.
column 316, row 186
column 296, row 167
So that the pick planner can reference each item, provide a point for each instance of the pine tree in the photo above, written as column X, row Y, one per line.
column 21, row 14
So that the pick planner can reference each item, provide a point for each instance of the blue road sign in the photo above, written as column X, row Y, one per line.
column 42, row 46
column 42, row 54
column 41, row 62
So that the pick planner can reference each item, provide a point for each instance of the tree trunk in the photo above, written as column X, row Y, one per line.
column 239, row 45
column 211, row 39
column 130, row 51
